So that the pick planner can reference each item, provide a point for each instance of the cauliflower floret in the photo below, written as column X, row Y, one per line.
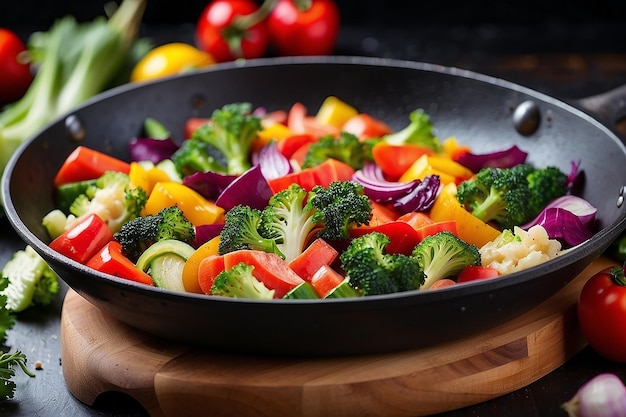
column 517, row 250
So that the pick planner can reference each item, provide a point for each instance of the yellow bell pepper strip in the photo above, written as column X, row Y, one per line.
column 469, row 228
column 190, row 270
column 453, row 149
column 335, row 112
column 197, row 209
column 146, row 178
column 448, row 170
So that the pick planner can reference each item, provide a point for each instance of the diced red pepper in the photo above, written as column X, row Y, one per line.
column 325, row 279
column 84, row 239
column 192, row 124
column 322, row 174
column 291, row 144
column 403, row 238
column 476, row 272
column 87, row 164
column 317, row 254
column 269, row 268
column 394, row 160
column 111, row 260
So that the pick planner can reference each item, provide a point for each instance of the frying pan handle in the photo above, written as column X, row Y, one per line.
column 609, row 108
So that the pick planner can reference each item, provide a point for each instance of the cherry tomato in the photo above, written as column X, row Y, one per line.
column 223, row 34
column 169, row 59
column 602, row 313
column 304, row 32
column 15, row 75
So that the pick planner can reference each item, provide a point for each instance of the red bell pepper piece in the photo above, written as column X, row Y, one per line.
column 316, row 255
column 476, row 272
column 290, row 145
column 87, row 164
column 269, row 268
column 394, row 160
column 84, row 239
column 403, row 238
column 111, row 260
column 325, row 279
column 322, row 174
column 192, row 124
column 365, row 126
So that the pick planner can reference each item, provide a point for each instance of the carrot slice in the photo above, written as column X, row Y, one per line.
column 208, row 269
column 317, row 254
column 325, row 280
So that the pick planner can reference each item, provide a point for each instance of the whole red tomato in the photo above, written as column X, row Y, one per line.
column 15, row 76
column 304, row 32
column 602, row 313
column 226, row 31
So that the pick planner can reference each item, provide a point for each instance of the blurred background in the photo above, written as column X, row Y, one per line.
column 563, row 48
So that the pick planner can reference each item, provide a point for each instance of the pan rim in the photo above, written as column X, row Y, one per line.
column 449, row 293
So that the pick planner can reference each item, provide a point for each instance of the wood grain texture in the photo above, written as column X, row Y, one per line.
column 101, row 354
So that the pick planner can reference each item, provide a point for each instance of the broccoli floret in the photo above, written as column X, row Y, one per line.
column 498, row 195
column 239, row 282
column 195, row 155
column 372, row 271
column 289, row 220
column 346, row 148
column 444, row 255
column 339, row 207
column 112, row 198
column 511, row 196
column 242, row 230
column 31, row 281
column 418, row 132
column 230, row 132
column 545, row 185
column 138, row 234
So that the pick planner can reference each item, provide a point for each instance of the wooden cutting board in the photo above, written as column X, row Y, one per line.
column 101, row 354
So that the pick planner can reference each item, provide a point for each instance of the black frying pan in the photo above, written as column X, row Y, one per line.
column 478, row 110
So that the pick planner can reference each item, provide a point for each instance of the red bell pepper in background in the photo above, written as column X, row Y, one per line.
column 87, row 164
column 111, row 260
column 84, row 239
column 365, row 126
column 192, row 124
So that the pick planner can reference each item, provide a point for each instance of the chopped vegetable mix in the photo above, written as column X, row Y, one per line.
column 265, row 205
